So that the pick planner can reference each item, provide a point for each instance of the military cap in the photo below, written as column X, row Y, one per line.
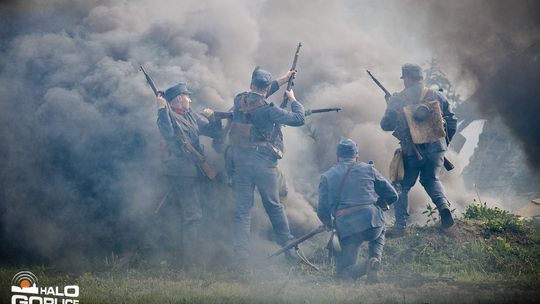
column 261, row 78
column 411, row 70
column 176, row 90
column 347, row 148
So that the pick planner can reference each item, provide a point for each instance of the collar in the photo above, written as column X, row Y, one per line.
column 347, row 160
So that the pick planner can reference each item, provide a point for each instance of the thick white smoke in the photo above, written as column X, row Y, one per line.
column 78, row 120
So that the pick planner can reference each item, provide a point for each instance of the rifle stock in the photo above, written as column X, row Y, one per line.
column 294, row 243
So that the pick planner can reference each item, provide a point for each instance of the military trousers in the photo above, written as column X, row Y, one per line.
column 428, row 169
column 346, row 266
column 182, row 214
column 245, row 179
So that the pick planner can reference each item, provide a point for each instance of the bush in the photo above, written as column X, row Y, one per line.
column 495, row 220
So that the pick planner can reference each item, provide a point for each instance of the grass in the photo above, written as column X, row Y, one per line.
column 490, row 256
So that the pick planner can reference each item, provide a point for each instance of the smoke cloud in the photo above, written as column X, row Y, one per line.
column 79, row 162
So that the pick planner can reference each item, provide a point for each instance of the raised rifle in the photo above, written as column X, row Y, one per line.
column 290, row 83
column 324, row 110
column 401, row 121
column 198, row 157
column 387, row 94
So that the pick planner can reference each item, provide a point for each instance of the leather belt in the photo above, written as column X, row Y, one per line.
column 344, row 211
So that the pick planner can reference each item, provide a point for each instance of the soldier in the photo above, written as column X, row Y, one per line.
column 349, row 193
column 256, row 145
column 182, row 171
column 426, row 159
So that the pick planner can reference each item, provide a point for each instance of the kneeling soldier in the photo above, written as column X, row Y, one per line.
column 348, row 193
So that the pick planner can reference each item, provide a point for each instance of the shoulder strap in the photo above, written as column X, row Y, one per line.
column 179, row 118
column 427, row 95
column 342, row 184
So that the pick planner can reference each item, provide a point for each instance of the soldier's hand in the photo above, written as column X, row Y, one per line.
column 291, row 74
column 285, row 78
column 161, row 102
column 208, row 113
column 290, row 95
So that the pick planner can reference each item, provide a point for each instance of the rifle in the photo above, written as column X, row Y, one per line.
column 407, row 137
column 200, row 159
column 387, row 94
column 315, row 111
column 294, row 243
column 223, row 115
column 290, row 83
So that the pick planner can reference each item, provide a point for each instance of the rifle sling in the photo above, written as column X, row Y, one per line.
column 189, row 147
column 342, row 184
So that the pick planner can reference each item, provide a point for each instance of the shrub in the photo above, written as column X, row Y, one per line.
column 495, row 219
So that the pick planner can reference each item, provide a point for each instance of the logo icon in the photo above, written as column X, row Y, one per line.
column 24, row 282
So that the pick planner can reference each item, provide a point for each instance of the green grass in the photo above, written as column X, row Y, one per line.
column 490, row 256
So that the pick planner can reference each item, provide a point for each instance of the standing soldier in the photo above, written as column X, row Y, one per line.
column 181, row 127
column 424, row 113
column 256, row 143
column 349, row 192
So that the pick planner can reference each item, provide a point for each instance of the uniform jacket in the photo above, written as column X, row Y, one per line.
column 412, row 95
column 266, row 120
column 363, row 186
column 177, row 161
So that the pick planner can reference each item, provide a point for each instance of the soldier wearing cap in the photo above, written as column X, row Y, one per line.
column 183, row 174
column 256, row 145
column 349, row 193
column 426, row 159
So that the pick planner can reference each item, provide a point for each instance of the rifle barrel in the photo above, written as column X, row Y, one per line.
column 386, row 92
column 150, row 81
column 315, row 111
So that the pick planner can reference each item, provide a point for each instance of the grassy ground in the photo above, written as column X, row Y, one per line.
column 490, row 256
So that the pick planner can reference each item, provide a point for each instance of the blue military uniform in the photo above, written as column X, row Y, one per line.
column 183, row 175
column 254, row 161
column 432, row 153
column 348, row 192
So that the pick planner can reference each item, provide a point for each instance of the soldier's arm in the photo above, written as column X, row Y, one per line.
column 295, row 117
column 212, row 127
column 285, row 78
column 448, row 115
column 323, row 210
column 279, row 82
column 164, row 120
column 384, row 188
column 389, row 120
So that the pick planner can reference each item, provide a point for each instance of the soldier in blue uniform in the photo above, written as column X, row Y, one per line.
column 183, row 174
column 256, row 145
column 349, row 194
column 431, row 154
